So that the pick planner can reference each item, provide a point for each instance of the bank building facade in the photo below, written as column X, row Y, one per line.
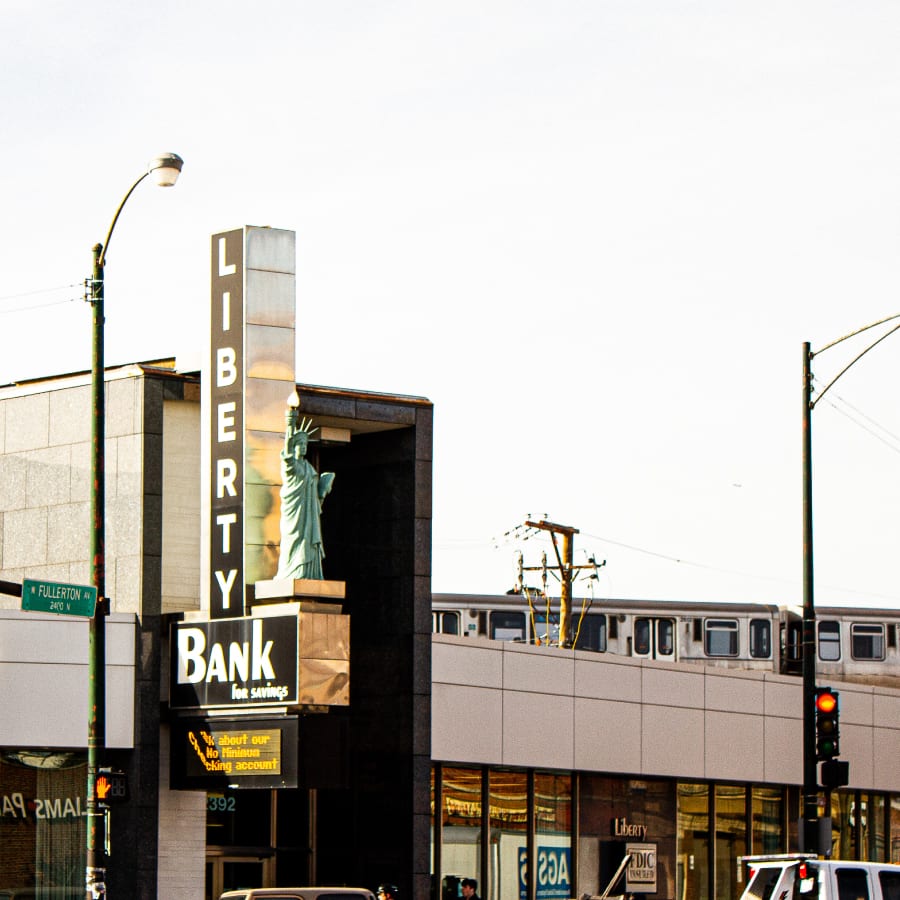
column 274, row 725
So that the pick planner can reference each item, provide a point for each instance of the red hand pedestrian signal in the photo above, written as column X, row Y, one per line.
column 103, row 787
column 111, row 786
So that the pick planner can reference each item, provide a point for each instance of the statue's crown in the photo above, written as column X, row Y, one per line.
column 306, row 426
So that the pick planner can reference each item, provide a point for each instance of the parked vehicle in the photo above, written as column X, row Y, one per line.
column 802, row 876
column 299, row 893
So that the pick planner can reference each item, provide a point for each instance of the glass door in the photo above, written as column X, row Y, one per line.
column 227, row 873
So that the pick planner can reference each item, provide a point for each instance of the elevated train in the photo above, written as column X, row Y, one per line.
column 852, row 644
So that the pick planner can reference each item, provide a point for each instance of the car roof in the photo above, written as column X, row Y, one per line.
column 307, row 893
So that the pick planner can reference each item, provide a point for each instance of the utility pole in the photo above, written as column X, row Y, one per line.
column 566, row 568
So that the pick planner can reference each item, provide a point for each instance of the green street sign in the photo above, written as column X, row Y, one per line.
column 53, row 597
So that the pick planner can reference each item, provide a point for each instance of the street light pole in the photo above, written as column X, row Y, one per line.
column 808, row 646
column 165, row 168
column 810, row 811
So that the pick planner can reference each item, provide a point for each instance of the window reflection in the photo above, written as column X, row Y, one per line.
column 731, row 841
column 693, row 841
column 767, row 811
column 509, row 826
column 553, row 828
column 460, row 828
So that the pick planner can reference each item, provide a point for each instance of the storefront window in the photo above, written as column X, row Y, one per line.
column 767, row 811
column 460, row 829
column 731, row 840
column 553, row 832
column 857, row 826
column 509, row 827
column 42, row 821
column 895, row 829
column 843, row 836
column 873, row 835
column 693, row 841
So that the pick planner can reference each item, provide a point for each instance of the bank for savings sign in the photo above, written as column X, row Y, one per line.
column 246, row 662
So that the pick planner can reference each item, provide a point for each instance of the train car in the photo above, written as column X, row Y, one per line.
column 853, row 644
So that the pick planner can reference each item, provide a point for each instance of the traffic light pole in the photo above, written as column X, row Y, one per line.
column 95, row 872
column 810, row 810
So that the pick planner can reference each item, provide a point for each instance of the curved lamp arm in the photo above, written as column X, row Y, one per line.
column 167, row 167
column 858, row 357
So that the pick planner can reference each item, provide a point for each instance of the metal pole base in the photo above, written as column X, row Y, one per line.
column 95, row 883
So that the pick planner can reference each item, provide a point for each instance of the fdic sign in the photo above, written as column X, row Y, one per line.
column 640, row 876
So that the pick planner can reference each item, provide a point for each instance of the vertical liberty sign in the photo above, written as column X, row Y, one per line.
column 226, row 589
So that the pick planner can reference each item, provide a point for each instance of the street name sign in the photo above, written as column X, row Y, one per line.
column 53, row 597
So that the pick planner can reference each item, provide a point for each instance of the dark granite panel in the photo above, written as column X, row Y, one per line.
column 375, row 411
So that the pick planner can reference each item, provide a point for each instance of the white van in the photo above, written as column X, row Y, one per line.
column 806, row 877
column 301, row 893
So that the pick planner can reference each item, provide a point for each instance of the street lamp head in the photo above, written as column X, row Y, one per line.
column 165, row 168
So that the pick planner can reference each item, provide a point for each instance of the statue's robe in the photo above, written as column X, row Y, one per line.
column 302, row 492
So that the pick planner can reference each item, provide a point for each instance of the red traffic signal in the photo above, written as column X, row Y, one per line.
column 827, row 723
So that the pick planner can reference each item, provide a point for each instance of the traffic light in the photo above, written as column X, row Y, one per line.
column 827, row 725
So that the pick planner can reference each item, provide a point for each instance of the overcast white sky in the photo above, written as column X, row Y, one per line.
column 594, row 234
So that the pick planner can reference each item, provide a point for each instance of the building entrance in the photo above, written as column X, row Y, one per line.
column 258, row 838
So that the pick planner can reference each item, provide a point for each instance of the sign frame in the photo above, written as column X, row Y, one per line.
column 186, row 769
column 641, row 873
column 58, row 597
column 207, row 657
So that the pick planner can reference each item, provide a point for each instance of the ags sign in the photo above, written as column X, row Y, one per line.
column 552, row 872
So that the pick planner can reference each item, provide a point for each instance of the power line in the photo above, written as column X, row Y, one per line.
column 35, row 306
column 18, row 309
column 888, row 443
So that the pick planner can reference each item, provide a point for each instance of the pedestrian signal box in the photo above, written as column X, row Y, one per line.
column 111, row 786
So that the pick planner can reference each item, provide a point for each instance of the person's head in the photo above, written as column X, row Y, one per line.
column 469, row 887
column 387, row 892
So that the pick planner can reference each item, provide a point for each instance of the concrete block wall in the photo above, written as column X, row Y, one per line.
column 509, row 704
column 45, row 485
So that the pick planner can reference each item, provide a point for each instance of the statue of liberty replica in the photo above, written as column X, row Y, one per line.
column 302, row 492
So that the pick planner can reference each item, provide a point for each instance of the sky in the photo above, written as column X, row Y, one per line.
column 594, row 233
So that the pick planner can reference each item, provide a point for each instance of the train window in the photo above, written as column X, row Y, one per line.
column 665, row 637
column 508, row 626
column 445, row 622
column 760, row 639
column 721, row 637
column 830, row 641
column 544, row 633
column 641, row 636
column 867, row 641
column 591, row 633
